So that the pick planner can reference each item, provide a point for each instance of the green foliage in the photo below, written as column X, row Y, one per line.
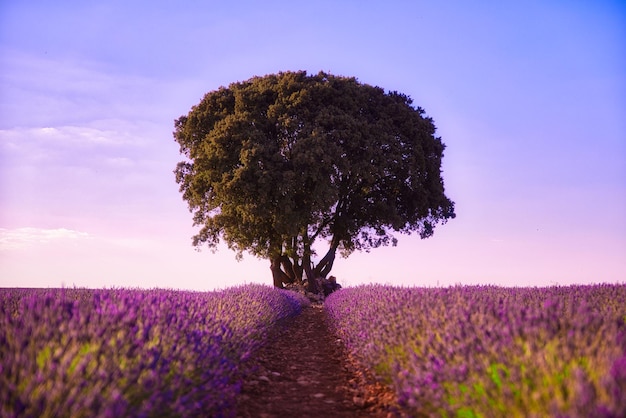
column 275, row 162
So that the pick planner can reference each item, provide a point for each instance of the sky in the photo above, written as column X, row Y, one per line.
column 528, row 96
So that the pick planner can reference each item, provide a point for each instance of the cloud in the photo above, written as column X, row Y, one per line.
column 72, row 137
column 21, row 238
column 104, row 172
column 100, row 146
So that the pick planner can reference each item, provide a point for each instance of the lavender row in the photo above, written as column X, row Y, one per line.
column 121, row 352
column 491, row 351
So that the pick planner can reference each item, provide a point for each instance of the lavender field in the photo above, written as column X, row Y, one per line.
column 460, row 351
column 491, row 351
column 120, row 352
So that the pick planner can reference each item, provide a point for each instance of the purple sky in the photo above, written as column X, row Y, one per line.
column 529, row 97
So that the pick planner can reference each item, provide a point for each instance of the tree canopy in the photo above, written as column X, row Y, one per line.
column 277, row 163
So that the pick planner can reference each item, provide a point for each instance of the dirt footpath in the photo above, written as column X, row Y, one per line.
column 305, row 372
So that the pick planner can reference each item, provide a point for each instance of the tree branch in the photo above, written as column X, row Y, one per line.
column 326, row 263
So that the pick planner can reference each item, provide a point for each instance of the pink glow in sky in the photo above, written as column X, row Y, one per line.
column 529, row 97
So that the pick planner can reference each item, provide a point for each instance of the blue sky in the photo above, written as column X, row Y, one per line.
column 529, row 97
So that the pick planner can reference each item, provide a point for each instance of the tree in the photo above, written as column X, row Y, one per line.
column 277, row 163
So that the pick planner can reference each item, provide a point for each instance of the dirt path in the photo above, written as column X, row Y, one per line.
column 304, row 372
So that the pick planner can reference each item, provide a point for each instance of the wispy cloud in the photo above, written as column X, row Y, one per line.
column 21, row 238
column 111, row 171
column 68, row 136
column 56, row 155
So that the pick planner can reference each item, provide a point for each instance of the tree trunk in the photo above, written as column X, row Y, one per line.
column 285, row 270
column 311, row 285
column 278, row 274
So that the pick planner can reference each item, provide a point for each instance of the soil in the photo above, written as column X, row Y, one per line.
column 304, row 371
